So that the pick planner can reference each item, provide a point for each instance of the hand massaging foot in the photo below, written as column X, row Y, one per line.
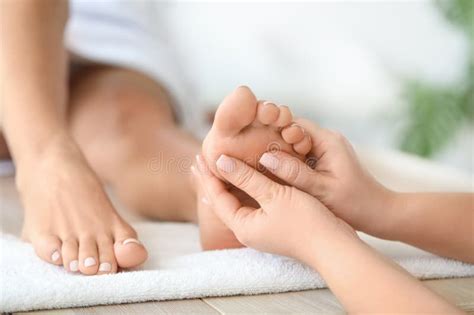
column 245, row 128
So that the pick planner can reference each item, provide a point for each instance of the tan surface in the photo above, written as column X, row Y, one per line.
column 458, row 291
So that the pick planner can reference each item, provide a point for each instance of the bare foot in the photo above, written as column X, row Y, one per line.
column 245, row 128
column 69, row 218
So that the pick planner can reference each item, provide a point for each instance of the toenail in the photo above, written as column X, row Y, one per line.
column 89, row 262
column 55, row 255
column 268, row 103
column 225, row 163
column 269, row 160
column 298, row 126
column 131, row 240
column 105, row 267
column 74, row 265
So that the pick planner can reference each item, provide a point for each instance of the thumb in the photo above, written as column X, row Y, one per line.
column 294, row 172
column 248, row 179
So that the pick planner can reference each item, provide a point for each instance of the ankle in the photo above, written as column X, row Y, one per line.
column 59, row 149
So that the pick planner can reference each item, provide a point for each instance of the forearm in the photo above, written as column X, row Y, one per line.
column 364, row 281
column 441, row 223
column 33, row 71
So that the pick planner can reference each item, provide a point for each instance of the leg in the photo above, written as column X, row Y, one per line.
column 124, row 124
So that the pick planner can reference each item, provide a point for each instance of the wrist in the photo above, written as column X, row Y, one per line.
column 328, row 247
column 386, row 215
column 324, row 239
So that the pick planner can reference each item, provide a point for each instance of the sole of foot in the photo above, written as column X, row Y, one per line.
column 245, row 128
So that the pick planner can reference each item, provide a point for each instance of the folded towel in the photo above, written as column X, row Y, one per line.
column 177, row 269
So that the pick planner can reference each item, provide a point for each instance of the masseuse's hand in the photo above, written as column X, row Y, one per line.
column 292, row 223
column 336, row 178
column 288, row 221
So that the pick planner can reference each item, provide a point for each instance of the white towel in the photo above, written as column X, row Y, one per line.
column 177, row 269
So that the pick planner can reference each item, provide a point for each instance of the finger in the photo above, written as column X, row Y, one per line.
column 294, row 172
column 317, row 134
column 227, row 207
column 204, row 169
column 248, row 179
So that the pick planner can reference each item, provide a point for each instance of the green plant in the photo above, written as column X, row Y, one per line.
column 435, row 114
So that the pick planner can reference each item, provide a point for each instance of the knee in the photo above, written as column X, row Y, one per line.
column 118, row 100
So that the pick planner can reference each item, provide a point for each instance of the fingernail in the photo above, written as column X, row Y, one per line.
column 74, row 265
column 105, row 267
column 131, row 240
column 269, row 160
column 194, row 171
column 55, row 255
column 205, row 201
column 89, row 262
column 225, row 164
column 200, row 164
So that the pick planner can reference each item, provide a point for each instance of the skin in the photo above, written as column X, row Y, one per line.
column 67, row 141
column 52, row 173
column 293, row 223
column 340, row 182
column 71, row 133
column 246, row 128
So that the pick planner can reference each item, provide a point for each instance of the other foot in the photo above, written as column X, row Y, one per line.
column 245, row 128
column 69, row 218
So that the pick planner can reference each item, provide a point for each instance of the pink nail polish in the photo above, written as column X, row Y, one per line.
column 201, row 166
column 225, row 164
column 269, row 160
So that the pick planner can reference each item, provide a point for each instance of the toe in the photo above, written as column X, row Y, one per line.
column 107, row 262
column 267, row 112
column 304, row 146
column 129, row 251
column 293, row 134
column 88, row 256
column 284, row 118
column 48, row 248
column 237, row 111
column 69, row 251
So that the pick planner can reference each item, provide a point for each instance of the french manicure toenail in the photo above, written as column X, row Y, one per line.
column 89, row 262
column 269, row 160
column 225, row 164
column 74, row 265
column 268, row 103
column 131, row 240
column 55, row 255
column 105, row 267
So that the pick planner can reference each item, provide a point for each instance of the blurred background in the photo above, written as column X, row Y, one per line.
column 388, row 74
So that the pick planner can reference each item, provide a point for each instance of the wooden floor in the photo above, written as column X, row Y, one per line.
column 459, row 291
